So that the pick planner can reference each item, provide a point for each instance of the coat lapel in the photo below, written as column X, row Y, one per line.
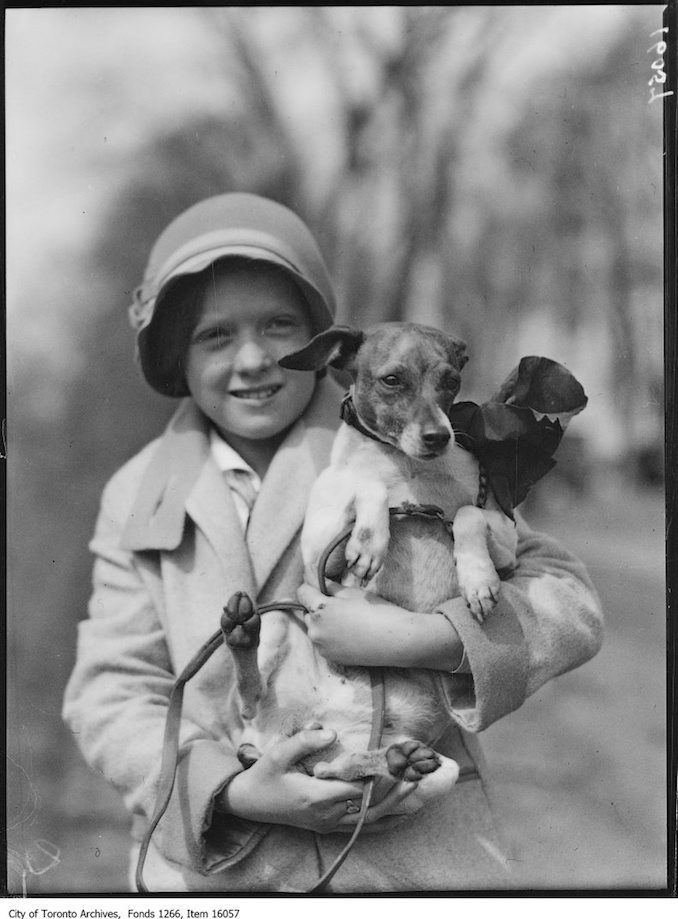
column 182, row 478
column 158, row 515
column 211, row 508
column 278, row 513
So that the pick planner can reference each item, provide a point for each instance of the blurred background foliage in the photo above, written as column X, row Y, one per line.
column 495, row 171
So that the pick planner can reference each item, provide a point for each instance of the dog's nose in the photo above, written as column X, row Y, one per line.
column 436, row 440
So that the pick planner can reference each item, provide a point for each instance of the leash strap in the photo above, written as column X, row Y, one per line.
column 170, row 744
column 431, row 512
column 378, row 711
column 483, row 486
column 170, row 747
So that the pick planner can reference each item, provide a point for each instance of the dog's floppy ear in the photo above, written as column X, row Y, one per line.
column 336, row 346
column 460, row 355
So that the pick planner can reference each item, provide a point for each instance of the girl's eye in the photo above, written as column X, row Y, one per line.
column 452, row 385
column 391, row 380
column 213, row 335
column 282, row 325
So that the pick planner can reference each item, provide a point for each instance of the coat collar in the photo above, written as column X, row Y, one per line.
column 182, row 478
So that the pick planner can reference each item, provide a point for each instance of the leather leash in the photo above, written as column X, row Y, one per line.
column 170, row 743
column 170, row 747
column 376, row 728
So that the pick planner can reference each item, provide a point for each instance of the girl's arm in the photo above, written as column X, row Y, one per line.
column 547, row 621
column 355, row 627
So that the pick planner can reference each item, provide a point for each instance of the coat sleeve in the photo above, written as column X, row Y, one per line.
column 548, row 620
column 116, row 704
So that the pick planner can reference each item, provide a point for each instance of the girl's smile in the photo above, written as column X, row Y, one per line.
column 256, row 394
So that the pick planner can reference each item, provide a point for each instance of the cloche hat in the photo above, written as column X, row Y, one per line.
column 233, row 224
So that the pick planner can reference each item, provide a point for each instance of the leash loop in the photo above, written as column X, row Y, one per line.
column 378, row 690
column 170, row 747
column 170, row 744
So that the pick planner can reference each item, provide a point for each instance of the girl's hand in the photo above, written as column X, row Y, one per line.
column 274, row 790
column 343, row 627
column 353, row 627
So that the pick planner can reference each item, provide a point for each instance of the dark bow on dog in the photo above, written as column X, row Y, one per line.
column 515, row 433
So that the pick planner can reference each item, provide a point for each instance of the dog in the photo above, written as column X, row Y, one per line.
column 395, row 447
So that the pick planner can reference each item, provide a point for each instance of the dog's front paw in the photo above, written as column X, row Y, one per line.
column 366, row 551
column 481, row 603
column 479, row 585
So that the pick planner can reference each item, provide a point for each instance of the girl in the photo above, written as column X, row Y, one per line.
column 215, row 505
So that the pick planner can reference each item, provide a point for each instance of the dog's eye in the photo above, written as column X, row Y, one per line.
column 452, row 385
column 391, row 380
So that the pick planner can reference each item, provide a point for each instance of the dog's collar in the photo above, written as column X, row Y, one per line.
column 350, row 416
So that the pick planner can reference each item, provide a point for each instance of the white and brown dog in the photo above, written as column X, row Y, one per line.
column 396, row 447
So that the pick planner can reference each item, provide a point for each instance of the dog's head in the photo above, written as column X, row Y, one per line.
column 405, row 379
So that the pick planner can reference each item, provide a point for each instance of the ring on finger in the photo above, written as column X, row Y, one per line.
column 352, row 807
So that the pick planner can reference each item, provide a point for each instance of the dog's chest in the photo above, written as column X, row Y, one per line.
column 449, row 482
column 419, row 571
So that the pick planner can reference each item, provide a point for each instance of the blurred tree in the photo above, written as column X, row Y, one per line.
column 445, row 208
column 593, row 224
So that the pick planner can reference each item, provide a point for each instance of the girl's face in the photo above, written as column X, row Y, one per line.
column 248, row 318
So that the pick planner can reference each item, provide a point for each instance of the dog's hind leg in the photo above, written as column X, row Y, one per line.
column 241, row 625
column 408, row 759
column 248, row 755
column 430, row 774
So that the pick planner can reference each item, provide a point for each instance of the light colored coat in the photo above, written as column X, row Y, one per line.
column 169, row 553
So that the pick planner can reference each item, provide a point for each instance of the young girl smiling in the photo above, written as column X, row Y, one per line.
column 215, row 505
